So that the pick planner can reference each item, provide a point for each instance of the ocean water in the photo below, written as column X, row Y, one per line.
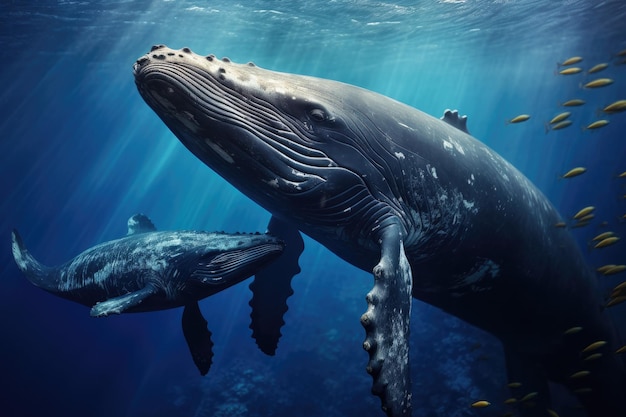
column 80, row 152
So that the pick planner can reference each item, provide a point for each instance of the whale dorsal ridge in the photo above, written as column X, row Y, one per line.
column 452, row 118
column 140, row 223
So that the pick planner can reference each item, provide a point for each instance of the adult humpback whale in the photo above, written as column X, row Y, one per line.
column 149, row 270
column 429, row 209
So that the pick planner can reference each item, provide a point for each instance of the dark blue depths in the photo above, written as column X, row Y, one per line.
column 81, row 152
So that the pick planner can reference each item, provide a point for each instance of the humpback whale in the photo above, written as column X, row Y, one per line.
column 150, row 270
column 429, row 210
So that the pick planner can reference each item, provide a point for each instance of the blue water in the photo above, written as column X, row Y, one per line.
column 80, row 152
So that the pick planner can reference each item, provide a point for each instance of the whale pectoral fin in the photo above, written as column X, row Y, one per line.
column 122, row 303
column 272, row 286
column 452, row 118
column 386, row 324
column 198, row 337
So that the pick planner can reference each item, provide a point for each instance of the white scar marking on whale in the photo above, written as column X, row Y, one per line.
column 298, row 173
column 221, row 152
column 470, row 205
column 399, row 155
column 273, row 183
column 451, row 143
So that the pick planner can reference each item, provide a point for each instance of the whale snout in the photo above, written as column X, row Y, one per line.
column 138, row 64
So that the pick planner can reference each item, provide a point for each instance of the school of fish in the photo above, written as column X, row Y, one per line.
column 589, row 119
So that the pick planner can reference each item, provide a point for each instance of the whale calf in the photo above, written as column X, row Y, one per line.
column 431, row 211
column 150, row 270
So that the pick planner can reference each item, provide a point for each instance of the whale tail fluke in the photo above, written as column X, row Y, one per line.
column 37, row 273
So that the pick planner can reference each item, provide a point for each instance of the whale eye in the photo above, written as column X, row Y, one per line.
column 318, row 115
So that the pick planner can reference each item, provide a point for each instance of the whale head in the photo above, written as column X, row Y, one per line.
column 292, row 143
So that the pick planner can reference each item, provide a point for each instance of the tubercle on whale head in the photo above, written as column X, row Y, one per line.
column 162, row 53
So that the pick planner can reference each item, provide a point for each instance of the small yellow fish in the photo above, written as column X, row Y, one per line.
column 560, row 224
column 616, row 300
column 621, row 350
column 606, row 242
column 583, row 212
column 587, row 218
column 560, row 117
column 603, row 236
column 615, row 270
column 574, row 172
column 594, row 346
column 600, row 82
column 597, row 124
column 510, row 401
column 597, row 68
column 571, row 61
column 573, row 103
column 562, row 125
column 573, row 330
column 620, row 287
column 481, row 404
column 615, row 107
column 579, row 374
column 605, row 268
column 552, row 413
column 514, row 384
column 529, row 396
column 593, row 357
column 622, row 175
column 570, row 71
column 519, row 119
column 621, row 53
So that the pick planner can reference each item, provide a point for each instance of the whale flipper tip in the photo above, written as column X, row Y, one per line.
column 272, row 287
column 198, row 337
